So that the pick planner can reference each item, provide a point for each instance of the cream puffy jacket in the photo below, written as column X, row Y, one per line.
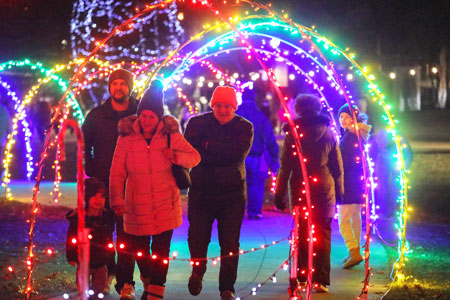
column 141, row 178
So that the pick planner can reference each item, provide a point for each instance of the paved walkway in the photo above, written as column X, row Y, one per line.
column 254, row 267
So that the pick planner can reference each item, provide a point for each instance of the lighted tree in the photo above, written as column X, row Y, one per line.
column 152, row 36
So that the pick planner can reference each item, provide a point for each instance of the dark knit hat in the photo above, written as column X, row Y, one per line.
column 122, row 74
column 153, row 99
column 91, row 187
column 224, row 94
column 248, row 94
column 346, row 109
column 307, row 104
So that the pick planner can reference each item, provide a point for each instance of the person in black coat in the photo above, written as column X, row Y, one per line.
column 100, row 136
column 325, row 172
column 263, row 155
column 98, row 220
column 218, row 189
column 354, row 184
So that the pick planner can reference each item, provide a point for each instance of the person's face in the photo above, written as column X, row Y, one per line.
column 97, row 201
column 119, row 90
column 148, row 120
column 345, row 120
column 223, row 112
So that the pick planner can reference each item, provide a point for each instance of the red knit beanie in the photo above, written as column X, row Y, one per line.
column 224, row 94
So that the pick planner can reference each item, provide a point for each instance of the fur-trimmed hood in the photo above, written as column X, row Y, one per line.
column 126, row 125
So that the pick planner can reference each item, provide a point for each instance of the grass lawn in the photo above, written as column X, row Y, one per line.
column 428, row 264
column 428, row 228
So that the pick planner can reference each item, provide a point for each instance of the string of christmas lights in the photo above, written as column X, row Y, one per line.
column 21, row 115
column 377, row 97
column 7, row 156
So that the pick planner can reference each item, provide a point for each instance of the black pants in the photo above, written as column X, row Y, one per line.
column 111, row 261
column 153, row 268
column 229, row 217
column 322, row 248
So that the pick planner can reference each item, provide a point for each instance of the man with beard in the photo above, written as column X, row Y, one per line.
column 100, row 136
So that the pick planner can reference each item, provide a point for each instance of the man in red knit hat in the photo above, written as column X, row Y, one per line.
column 218, row 190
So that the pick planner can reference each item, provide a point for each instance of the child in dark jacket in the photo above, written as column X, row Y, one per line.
column 354, row 187
column 100, row 233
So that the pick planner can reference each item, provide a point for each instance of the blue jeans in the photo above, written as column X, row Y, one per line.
column 256, row 176
column 255, row 194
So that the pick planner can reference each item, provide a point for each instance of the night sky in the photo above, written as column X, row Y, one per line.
column 393, row 32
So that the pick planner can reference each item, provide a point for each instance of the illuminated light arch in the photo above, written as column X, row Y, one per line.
column 21, row 114
column 7, row 155
column 299, row 153
column 75, row 77
column 373, row 89
column 49, row 75
column 192, row 61
column 264, row 24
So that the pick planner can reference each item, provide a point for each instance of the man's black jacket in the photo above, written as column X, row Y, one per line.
column 223, row 149
column 100, row 137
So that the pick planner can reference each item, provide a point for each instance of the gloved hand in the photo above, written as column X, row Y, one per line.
column 279, row 203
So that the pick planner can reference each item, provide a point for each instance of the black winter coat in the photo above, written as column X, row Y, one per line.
column 353, row 169
column 223, row 148
column 101, row 229
column 324, row 167
column 100, row 137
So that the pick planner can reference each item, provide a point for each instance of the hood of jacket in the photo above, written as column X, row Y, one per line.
column 130, row 125
column 312, row 127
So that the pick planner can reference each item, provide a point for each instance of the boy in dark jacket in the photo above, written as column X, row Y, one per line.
column 350, row 209
column 325, row 172
column 98, row 220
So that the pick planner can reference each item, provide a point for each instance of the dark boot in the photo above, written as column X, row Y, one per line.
column 195, row 283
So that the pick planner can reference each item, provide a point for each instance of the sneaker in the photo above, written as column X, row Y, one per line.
column 320, row 288
column 255, row 217
column 227, row 295
column 195, row 283
column 127, row 292
column 346, row 258
column 355, row 259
